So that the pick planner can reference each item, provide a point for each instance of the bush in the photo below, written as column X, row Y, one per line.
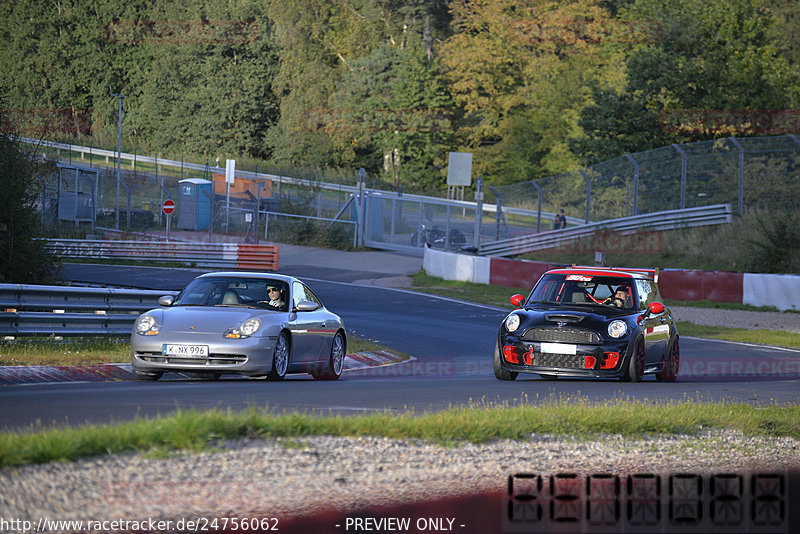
column 23, row 259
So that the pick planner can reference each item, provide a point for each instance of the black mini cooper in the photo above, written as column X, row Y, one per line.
column 590, row 322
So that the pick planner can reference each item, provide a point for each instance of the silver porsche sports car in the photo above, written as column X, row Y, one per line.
column 257, row 324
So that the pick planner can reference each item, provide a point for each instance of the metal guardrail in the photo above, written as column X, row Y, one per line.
column 665, row 220
column 33, row 310
column 214, row 255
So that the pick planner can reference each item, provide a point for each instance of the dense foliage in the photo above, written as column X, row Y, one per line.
column 22, row 257
column 531, row 88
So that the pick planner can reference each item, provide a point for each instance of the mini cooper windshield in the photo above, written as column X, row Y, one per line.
column 235, row 291
column 584, row 290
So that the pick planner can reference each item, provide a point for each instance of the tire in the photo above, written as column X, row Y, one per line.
column 152, row 376
column 499, row 372
column 280, row 358
column 548, row 377
column 635, row 369
column 332, row 369
column 672, row 363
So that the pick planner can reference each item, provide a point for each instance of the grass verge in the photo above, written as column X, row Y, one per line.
column 763, row 337
column 199, row 431
column 480, row 293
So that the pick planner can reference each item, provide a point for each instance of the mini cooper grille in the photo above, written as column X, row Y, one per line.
column 563, row 335
column 568, row 361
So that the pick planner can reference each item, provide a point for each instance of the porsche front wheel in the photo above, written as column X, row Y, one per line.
column 280, row 358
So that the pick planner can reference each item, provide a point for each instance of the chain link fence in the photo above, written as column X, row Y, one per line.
column 747, row 172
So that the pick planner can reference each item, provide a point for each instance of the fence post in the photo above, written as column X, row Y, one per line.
column 588, row 192
column 739, row 146
column 635, row 184
column 539, row 208
column 683, row 174
column 478, row 211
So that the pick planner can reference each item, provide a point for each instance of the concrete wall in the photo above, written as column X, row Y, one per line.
column 779, row 290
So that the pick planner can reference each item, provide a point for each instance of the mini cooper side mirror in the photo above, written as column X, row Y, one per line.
column 656, row 308
column 517, row 300
column 166, row 300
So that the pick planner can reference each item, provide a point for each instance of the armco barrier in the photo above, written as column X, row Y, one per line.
column 72, row 311
column 214, row 255
column 779, row 290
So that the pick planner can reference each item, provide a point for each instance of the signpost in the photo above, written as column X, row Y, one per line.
column 168, row 207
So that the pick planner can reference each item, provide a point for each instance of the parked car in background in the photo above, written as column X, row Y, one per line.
column 590, row 322
column 255, row 324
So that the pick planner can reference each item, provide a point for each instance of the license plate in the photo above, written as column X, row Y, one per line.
column 186, row 351
column 559, row 348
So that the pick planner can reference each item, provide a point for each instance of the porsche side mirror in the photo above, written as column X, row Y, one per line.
column 517, row 300
column 656, row 308
column 166, row 300
column 306, row 306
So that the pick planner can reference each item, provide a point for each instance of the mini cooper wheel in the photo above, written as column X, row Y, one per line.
column 669, row 373
column 635, row 369
column 280, row 358
column 332, row 369
column 148, row 375
column 499, row 372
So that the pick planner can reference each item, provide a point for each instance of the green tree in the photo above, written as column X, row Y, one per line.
column 714, row 55
column 521, row 72
column 23, row 259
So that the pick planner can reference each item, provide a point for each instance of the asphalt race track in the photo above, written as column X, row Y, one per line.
column 452, row 342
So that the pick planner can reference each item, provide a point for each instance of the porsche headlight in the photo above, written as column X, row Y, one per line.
column 146, row 325
column 512, row 322
column 246, row 329
column 617, row 328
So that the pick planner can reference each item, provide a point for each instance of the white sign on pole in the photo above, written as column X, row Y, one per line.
column 459, row 169
column 230, row 168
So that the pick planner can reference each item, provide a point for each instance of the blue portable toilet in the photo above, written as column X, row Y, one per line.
column 194, row 203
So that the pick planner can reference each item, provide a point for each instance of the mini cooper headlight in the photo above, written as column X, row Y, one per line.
column 617, row 328
column 512, row 322
column 146, row 325
column 246, row 329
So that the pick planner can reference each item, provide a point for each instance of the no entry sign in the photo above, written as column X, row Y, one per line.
column 168, row 207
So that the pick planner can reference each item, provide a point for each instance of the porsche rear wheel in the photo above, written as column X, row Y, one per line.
column 280, row 358
column 332, row 369
column 669, row 373
column 499, row 372
column 635, row 369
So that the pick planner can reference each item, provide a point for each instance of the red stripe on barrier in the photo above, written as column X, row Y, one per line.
column 517, row 273
column 717, row 286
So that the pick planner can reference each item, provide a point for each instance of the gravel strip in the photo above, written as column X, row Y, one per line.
column 751, row 320
column 288, row 478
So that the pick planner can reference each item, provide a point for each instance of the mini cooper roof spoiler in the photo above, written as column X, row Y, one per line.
column 649, row 272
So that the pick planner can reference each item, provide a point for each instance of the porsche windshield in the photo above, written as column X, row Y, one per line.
column 235, row 291
column 584, row 290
